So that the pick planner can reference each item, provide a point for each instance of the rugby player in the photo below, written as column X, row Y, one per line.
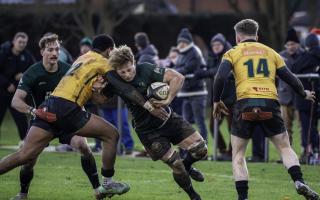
column 255, row 67
column 38, row 82
column 155, row 134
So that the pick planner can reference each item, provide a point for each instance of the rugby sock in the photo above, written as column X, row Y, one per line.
column 107, row 175
column 295, row 173
column 88, row 164
column 242, row 189
column 183, row 180
column 26, row 176
column 188, row 161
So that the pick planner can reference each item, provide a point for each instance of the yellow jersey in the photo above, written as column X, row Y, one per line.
column 76, row 85
column 254, row 68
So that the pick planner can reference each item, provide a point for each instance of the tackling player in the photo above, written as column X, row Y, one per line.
column 38, row 82
column 255, row 67
column 155, row 134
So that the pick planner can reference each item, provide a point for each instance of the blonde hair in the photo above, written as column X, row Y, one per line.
column 48, row 38
column 120, row 56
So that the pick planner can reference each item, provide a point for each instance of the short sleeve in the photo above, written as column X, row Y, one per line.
column 279, row 61
column 27, row 81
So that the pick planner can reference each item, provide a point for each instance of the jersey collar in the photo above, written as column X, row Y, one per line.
column 249, row 40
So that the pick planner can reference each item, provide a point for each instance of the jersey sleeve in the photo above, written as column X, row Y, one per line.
column 227, row 56
column 156, row 72
column 279, row 61
column 27, row 81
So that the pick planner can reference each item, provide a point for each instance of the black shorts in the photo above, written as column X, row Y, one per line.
column 70, row 118
column 244, row 129
column 158, row 141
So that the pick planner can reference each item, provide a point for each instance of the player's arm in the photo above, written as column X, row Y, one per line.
column 287, row 76
column 175, row 81
column 222, row 74
column 19, row 103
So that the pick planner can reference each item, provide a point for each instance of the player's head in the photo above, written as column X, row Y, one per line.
column 85, row 45
column 292, row 42
column 20, row 41
column 122, row 60
column 246, row 29
column 50, row 48
column 103, row 44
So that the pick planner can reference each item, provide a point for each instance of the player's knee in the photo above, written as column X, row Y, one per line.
column 26, row 156
column 84, row 149
column 175, row 162
column 199, row 150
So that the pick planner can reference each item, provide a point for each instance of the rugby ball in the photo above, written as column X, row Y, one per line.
column 158, row 90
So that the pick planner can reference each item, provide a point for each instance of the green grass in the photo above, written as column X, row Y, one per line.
column 58, row 176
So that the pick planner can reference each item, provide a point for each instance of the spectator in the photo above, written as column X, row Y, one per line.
column 14, row 60
column 193, row 90
column 308, row 62
column 171, row 60
column 85, row 45
column 286, row 96
column 219, row 45
column 146, row 52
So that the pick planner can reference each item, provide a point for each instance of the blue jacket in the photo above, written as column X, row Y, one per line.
column 148, row 54
column 189, row 61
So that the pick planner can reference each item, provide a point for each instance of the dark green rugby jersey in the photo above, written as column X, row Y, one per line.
column 39, row 83
column 145, row 75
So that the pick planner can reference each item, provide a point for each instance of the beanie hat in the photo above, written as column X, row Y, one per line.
column 311, row 41
column 102, row 42
column 218, row 38
column 292, row 36
column 185, row 36
column 86, row 41
column 141, row 39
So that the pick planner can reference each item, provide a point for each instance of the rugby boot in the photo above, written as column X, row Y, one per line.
column 195, row 196
column 20, row 196
column 113, row 188
column 305, row 191
column 196, row 175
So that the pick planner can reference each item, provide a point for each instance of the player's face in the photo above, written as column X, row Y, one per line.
column 217, row 47
column 291, row 47
column 20, row 43
column 50, row 54
column 127, row 72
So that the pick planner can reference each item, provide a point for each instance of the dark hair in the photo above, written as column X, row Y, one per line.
column 120, row 56
column 48, row 38
column 20, row 34
column 247, row 27
column 102, row 42
column 141, row 39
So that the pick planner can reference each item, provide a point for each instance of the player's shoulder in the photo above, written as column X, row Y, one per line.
column 36, row 67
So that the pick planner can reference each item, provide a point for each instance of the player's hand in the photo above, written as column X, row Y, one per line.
column 160, row 103
column 218, row 108
column 160, row 113
column 11, row 88
column 99, row 84
column 310, row 95
column 43, row 114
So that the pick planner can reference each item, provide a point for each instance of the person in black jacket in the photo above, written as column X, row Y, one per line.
column 146, row 52
column 14, row 60
column 309, row 62
column 219, row 45
column 194, row 92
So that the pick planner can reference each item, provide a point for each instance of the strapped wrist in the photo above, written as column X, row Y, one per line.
column 31, row 111
column 148, row 106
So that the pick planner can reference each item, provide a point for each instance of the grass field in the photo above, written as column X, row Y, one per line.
column 58, row 176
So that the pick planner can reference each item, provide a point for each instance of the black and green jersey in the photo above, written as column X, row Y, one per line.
column 39, row 83
column 145, row 75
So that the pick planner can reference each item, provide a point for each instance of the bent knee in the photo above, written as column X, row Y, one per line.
column 199, row 150
column 175, row 163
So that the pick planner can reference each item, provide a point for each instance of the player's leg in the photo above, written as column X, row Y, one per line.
column 239, row 166
column 291, row 162
column 197, row 150
column 36, row 140
column 88, row 162
column 26, row 176
column 180, row 175
column 97, row 127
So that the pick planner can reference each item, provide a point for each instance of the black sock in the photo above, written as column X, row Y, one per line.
column 88, row 164
column 183, row 180
column 188, row 161
column 108, row 173
column 26, row 175
column 242, row 189
column 295, row 173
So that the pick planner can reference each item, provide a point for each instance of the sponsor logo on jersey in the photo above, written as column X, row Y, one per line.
column 42, row 83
